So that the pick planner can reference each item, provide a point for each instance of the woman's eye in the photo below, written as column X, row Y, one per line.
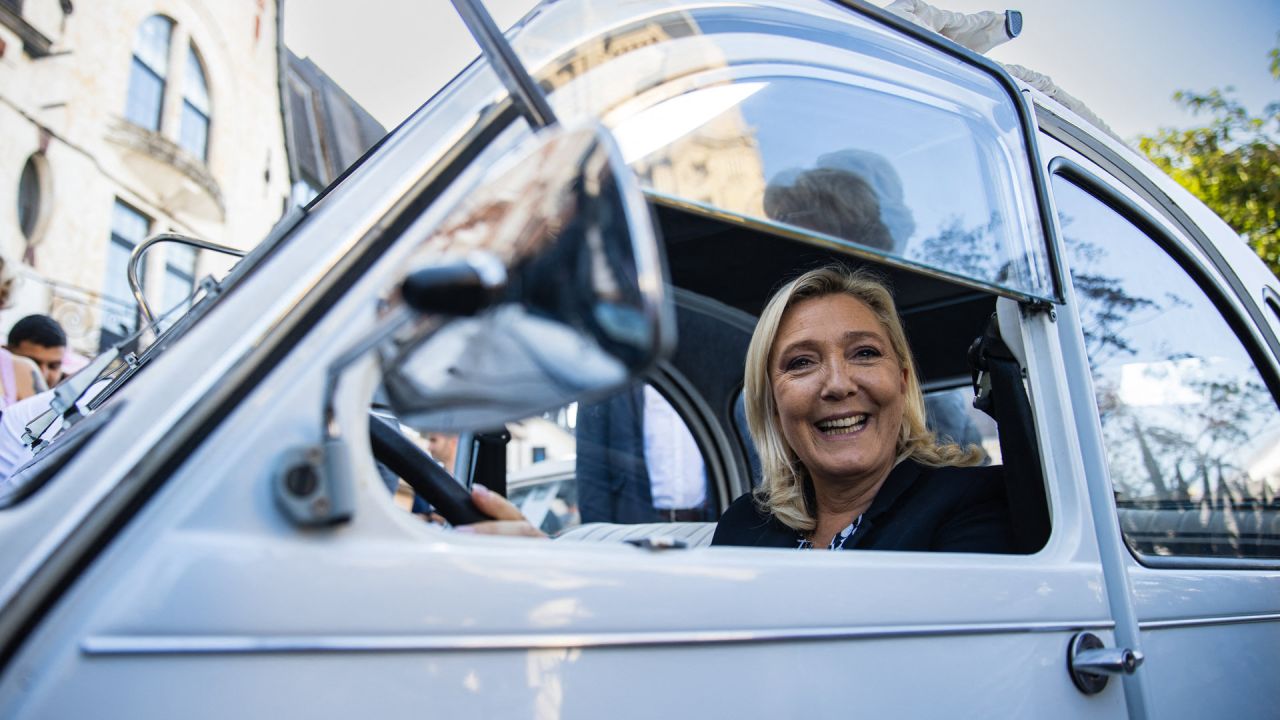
column 799, row 363
column 866, row 353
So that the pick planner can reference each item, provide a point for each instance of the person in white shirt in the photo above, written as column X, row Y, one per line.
column 638, row 462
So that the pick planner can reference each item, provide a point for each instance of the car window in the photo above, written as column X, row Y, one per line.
column 953, row 418
column 628, row 458
column 1191, row 431
column 866, row 170
column 848, row 138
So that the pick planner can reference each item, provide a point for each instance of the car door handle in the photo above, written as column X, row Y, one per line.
column 1091, row 663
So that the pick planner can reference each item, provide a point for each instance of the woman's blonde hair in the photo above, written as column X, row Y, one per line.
column 784, row 492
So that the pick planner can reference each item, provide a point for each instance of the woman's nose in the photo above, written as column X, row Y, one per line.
column 838, row 382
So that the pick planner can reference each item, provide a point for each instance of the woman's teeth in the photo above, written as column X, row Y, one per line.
column 843, row 426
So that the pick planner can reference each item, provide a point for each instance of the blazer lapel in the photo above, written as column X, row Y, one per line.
column 901, row 477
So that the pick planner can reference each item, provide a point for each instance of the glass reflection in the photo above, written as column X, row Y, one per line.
column 1192, row 433
column 896, row 175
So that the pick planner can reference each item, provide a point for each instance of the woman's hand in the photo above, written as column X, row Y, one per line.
column 507, row 519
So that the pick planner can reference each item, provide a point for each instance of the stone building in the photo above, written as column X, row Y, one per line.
column 126, row 118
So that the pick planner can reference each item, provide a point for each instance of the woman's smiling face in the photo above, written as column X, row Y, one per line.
column 839, row 389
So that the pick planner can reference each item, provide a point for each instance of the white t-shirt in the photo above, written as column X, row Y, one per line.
column 12, row 424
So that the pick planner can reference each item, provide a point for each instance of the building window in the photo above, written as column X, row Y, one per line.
column 29, row 198
column 194, row 132
column 148, row 72
column 149, row 78
column 119, row 311
column 539, row 454
column 179, row 276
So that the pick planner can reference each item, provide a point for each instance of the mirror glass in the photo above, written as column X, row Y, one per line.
column 584, row 304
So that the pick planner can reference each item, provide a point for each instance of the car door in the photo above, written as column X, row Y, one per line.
column 203, row 598
column 1184, row 375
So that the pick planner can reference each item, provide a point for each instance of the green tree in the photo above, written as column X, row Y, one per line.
column 1232, row 164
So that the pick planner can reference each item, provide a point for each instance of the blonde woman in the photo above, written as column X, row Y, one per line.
column 837, row 415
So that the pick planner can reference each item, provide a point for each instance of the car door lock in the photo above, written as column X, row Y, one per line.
column 1091, row 663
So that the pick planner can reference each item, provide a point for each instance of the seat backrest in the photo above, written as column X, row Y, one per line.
column 1001, row 394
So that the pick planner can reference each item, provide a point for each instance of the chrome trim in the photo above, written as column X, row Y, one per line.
column 135, row 259
column 100, row 645
column 526, row 94
column 83, row 527
column 1203, row 621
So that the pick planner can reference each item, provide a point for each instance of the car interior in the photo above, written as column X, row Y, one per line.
column 723, row 272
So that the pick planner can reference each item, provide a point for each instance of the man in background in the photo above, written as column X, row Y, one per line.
column 444, row 448
column 41, row 339
column 638, row 462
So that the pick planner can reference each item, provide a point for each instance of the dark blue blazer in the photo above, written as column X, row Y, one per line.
column 613, row 482
column 948, row 509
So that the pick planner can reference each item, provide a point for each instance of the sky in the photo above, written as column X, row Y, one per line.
column 1123, row 58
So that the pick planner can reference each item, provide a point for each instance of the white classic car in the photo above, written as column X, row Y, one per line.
column 609, row 198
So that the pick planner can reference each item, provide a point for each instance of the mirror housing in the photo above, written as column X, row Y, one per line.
column 544, row 286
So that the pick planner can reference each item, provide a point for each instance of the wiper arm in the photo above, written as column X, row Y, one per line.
column 65, row 397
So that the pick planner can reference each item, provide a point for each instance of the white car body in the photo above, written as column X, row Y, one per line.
column 154, row 575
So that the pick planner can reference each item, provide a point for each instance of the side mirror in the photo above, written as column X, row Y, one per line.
column 544, row 286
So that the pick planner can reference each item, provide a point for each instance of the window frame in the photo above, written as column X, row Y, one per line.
column 138, row 64
column 1218, row 292
column 32, row 201
column 1109, row 162
column 115, row 239
column 173, row 79
column 205, row 115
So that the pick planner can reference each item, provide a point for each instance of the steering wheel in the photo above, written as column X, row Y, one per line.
column 423, row 473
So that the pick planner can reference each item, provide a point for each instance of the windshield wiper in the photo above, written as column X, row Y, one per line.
column 113, row 367
column 67, row 395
